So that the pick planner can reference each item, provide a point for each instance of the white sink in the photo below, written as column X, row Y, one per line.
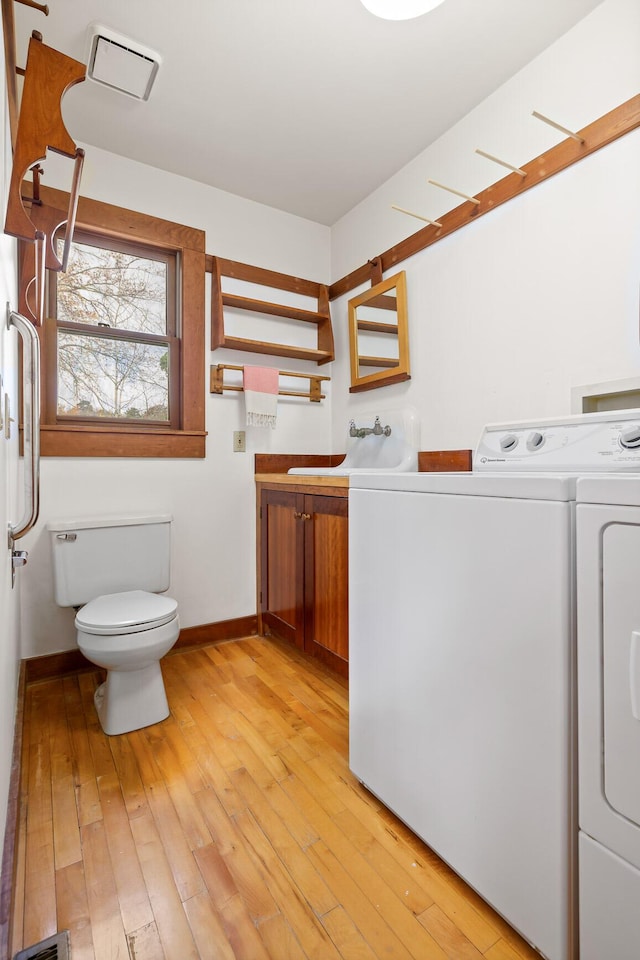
column 395, row 453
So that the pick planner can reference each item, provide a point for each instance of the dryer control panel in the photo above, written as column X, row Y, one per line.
column 586, row 443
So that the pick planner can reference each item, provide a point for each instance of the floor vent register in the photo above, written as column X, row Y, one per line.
column 53, row 948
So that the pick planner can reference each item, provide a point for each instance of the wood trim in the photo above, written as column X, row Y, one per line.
column 192, row 336
column 428, row 461
column 187, row 440
column 9, row 31
column 56, row 665
column 444, row 460
column 80, row 441
column 10, row 846
column 281, row 462
column 613, row 125
column 73, row 661
column 118, row 222
column 217, row 632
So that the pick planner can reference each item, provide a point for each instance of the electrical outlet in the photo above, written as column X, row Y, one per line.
column 239, row 441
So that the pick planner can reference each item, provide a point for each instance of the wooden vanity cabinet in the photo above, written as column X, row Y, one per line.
column 303, row 569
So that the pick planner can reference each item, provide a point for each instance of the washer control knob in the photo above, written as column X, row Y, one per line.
column 508, row 443
column 630, row 436
column 535, row 440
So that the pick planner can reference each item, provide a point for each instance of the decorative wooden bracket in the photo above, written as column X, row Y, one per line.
column 375, row 270
column 48, row 76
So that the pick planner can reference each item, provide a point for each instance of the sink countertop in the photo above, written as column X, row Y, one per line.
column 302, row 481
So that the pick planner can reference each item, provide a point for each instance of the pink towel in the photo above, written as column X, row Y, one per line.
column 260, row 395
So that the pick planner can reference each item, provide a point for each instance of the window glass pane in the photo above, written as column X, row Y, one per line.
column 113, row 288
column 104, row 377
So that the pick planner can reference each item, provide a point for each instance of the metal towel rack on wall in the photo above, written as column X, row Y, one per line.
column 31, row 435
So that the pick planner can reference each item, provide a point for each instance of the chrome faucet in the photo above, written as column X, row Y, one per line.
column 377, row 429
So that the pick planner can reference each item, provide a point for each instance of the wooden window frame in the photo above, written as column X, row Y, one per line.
column 182, row 437
column 170, row 337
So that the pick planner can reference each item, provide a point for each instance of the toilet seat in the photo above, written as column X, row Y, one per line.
column 130, row 612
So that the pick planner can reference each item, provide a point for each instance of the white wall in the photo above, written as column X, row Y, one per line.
column 506, row 315
column 212, row 500
column 9, row 507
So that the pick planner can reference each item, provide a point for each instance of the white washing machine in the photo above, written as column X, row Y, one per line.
column 608, row 621
column 462, row 660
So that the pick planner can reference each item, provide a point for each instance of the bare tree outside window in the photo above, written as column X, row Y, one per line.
column 115, row 324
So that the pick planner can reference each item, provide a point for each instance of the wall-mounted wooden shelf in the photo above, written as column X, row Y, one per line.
column 219, row 268
column 314, row 394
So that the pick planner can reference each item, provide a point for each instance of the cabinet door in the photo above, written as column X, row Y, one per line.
column 282, row 562
column 326, row 592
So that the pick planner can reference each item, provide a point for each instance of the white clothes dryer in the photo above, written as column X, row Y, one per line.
column 608, row 634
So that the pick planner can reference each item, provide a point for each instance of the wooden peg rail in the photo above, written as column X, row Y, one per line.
column 578, row 145
column 314, row 394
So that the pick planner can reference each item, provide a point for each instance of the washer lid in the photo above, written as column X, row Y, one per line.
column 126, row 612
column 522, row 486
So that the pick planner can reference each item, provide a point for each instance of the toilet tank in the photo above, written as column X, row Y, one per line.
column 102, row 555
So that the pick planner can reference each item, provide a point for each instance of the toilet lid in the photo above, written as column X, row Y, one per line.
column 126, row 612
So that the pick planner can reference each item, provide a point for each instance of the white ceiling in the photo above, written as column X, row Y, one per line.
column 304, row 105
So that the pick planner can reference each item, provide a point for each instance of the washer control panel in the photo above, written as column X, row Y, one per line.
column 586, row 443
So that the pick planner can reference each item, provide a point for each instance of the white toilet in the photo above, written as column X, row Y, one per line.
column 113, row 569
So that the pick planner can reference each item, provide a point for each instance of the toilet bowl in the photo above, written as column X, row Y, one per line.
column 114, row 571
column 127, row 634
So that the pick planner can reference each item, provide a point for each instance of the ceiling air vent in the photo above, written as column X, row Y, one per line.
column 121, row 63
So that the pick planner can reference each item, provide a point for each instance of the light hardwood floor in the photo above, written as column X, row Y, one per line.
column 233, row 829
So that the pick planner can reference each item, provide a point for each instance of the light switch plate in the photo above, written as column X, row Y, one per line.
column 239, row 441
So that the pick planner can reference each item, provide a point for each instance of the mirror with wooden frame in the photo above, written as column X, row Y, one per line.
column 379, row 335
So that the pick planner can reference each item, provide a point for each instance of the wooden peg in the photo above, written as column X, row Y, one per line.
column 503, row 163
column 458, row 193
column 409, row 213
column 552, row 123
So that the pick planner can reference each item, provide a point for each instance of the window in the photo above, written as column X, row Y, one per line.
column 123, row 337
column 115, row 316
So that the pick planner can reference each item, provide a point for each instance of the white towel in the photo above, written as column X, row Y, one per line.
column 261, row 396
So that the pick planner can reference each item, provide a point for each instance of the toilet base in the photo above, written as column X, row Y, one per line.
column 131, row 699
